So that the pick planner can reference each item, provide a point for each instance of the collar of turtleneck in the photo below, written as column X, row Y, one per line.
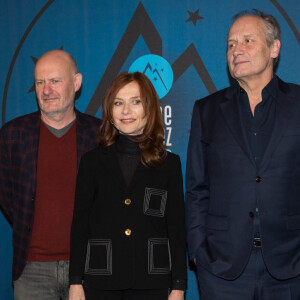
column 125, row 144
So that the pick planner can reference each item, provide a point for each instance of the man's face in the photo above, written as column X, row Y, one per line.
column 55, row 85
column 248, row 54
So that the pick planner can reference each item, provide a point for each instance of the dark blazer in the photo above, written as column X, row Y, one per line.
column 19, row 141
column 128, row 237
column 223, row 186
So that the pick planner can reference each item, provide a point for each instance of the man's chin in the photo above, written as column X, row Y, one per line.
column 51, row 112
column 239, row 74
column 47, row 111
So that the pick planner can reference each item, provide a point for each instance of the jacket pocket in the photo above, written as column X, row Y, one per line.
column 159, row 256
column 293, row 222
column 217, row 222
column 155, row 202
column 99, row 257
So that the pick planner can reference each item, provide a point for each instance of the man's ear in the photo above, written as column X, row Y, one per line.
column 77, row 81
column 275, row 48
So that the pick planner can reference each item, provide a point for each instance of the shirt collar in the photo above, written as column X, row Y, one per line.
column 269, row 90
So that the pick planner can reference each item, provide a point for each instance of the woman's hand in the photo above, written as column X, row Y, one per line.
column 77, row 293
column 176, row 295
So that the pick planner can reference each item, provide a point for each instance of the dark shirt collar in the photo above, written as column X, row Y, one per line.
column 269, row 90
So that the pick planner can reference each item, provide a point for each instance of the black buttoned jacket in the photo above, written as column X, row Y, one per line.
column 121, row 244
column 225, row 185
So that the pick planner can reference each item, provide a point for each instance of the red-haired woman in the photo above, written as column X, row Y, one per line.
column 128, row 231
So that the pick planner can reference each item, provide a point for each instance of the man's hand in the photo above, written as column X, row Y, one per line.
column 76, row 292
column 176, row 295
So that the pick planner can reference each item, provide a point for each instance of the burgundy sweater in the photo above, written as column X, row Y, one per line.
column 55, row 190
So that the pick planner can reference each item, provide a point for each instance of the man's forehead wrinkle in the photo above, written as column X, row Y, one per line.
column 246, row 35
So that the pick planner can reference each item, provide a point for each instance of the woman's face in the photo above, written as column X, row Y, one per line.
column 128, row 112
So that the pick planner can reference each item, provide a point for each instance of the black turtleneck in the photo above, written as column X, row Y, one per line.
column 129, row 154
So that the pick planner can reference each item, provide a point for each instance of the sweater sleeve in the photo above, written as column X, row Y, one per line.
column 5, row 174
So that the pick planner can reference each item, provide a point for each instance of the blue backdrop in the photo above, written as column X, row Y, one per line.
column 106, row 37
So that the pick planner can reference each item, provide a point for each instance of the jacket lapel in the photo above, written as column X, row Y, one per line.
column 81, row 129
column 230, row 111
column 139, row 173
column 284, row 112
column 113, row 166
column 116, row 173
column 33, row 126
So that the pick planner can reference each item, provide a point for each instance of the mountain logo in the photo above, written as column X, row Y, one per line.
column 157, row 69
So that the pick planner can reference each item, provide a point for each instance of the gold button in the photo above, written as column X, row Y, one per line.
column 127, row 201
column 128, row 232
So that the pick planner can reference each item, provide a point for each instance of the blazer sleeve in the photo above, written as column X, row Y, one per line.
column 197, row 184
column 84, row 196
column 5, row 175
column 176, row 226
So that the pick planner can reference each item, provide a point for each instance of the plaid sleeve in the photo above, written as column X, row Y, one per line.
column 5, row 175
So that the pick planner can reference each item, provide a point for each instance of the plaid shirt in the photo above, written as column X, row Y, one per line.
column 19, row 141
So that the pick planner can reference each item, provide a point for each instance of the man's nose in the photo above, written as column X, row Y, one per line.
column 47, row 88
column 238, row 49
